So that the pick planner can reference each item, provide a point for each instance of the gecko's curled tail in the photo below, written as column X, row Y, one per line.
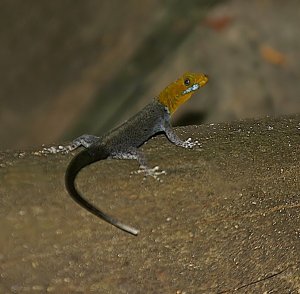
column 82, row 159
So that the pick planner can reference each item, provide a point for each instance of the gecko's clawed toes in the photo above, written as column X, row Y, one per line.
column 58, row 149
column 189, row 144
column 154, row 172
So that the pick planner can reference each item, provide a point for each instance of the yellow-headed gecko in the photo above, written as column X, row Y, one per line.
column 123, row 141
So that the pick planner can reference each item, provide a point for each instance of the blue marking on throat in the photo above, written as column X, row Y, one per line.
column 190, row 89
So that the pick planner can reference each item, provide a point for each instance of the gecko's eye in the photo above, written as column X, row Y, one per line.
column 187, row 82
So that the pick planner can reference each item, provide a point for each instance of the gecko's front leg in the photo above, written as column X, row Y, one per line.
column 171, row 135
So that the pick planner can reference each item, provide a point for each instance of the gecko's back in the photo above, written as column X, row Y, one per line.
column 138, row 129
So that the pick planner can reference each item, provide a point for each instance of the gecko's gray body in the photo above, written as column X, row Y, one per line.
column 153, row 118
column 121, row 142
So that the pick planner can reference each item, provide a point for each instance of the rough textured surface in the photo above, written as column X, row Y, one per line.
column 226, row 216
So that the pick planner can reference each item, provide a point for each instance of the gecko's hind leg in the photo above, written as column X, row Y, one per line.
column 136, row 154
column 84, row 141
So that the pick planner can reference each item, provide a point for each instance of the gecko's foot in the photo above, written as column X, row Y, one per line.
column 58, row 149
column 84, row 141
column 154, row 172
column 190, row 144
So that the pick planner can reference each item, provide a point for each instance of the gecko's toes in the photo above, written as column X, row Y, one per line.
column 189, row 144
column 154, row 172
column 58, row 149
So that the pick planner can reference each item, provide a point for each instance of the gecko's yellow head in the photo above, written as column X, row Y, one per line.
column 180, row 91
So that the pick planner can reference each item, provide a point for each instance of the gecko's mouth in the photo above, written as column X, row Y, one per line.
column 192, row 88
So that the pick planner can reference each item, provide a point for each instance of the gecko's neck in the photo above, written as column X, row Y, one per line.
column 171, row 98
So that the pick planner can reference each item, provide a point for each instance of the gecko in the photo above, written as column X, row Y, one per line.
column 123, row 141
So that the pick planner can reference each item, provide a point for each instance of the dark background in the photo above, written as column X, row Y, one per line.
column 72, row 67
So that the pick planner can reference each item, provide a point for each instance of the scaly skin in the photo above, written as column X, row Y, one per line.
column 123, row 141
